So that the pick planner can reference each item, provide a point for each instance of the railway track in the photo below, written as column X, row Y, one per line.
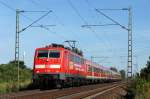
column 91, row 94
column 85, row 92
column 24, row 93
column 102, row 92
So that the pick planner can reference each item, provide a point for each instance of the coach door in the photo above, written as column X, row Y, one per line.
column 65, row 63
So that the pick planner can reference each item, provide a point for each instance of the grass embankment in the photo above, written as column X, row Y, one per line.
column 8, row 77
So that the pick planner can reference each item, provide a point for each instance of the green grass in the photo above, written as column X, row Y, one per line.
column 13, row 86
column 3, row 87
column 8, row 77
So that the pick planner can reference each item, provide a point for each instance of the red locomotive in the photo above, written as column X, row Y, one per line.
column 56, row 65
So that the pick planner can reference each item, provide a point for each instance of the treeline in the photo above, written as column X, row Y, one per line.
column 9, row 76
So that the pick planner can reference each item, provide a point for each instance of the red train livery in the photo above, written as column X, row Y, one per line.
column 56, row 65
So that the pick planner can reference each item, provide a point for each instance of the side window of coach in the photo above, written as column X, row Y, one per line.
column 71, row 58
column 89, row 68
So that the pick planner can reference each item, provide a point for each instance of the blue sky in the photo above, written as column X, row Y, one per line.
column 110, row 41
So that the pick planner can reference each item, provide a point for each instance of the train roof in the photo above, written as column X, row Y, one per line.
column 60, row 46
column 97, row 65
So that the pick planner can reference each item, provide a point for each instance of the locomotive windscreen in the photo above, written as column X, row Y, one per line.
column 54, row 54
column 48, row 54
column 42, row 54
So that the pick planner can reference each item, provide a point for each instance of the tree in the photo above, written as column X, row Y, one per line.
column 145, row 72
column 123, row 74
column 21, row 64
column 113, row 69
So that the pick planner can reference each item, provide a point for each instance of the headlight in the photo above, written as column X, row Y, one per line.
column 39, row 66
column 54, row 66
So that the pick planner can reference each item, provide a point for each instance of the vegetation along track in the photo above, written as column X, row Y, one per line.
column 66, row 93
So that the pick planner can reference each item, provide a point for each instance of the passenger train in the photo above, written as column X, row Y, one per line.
column 59, row 66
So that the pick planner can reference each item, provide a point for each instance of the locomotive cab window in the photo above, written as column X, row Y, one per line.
column 42, row 54
column 54, row 54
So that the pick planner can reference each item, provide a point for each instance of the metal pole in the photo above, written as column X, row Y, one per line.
column 129, row 67
column 17, row 45
column 18, row 31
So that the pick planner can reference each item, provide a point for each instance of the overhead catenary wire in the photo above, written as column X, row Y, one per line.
column 74, row 8
column 56, row 16
column 42, row 25
column 114, row 9
column 114, row 23
column 6, row 5
column 35, row 11
column 84, row 21
column 117, row 23
column 36, row 21
column 90, row 5
column 60, row 22
column 14, row 10
column 39, row 5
